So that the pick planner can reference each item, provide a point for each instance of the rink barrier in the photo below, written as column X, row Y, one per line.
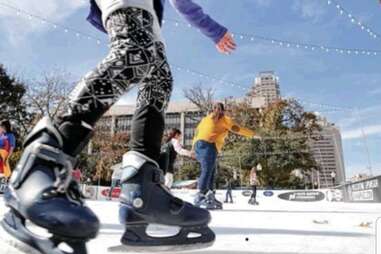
column 239, row 196
column 364, row 191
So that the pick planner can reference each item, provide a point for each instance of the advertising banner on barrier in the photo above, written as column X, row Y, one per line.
column 302, row 196
column 368, row 190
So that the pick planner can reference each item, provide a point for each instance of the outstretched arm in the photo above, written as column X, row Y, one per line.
column 233, row 127
column 180, row 149
column 194, row 14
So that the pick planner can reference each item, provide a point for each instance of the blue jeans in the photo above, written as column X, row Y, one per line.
column 206, row 154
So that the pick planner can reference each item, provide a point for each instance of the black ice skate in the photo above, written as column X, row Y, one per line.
column 42, row 192
column 146, row 202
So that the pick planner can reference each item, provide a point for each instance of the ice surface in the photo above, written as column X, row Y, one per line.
column 272, row 227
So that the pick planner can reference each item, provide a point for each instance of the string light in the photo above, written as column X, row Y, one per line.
column 241, row 36
column 294, row 44
column 209, row 77
column 345, row 13
column 45, row 21
column 320, row 105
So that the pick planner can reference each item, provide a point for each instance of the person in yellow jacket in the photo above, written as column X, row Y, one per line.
column 207, row 143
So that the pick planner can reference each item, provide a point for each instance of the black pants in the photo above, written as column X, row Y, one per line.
column 229, row 196
column 135, row 58
column 254, row 192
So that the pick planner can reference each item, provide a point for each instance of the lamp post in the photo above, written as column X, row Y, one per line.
column 259, row 167
column 333, row 176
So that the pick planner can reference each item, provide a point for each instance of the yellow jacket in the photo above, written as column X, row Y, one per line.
column 215, row 132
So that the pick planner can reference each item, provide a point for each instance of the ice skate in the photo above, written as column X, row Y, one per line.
column 253, row 201
column 145, row 202
column 208, row 201
column 42, row 193
column 214, row 203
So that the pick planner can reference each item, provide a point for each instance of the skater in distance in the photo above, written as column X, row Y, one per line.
column 207, row 143
column 41, row 189
column 169, row 151
column 7, row 146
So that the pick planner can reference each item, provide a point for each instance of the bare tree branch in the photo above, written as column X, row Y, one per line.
column 201, row 97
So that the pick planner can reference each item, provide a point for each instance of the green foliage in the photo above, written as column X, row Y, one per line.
column 285, row 129
column 187, row 169
column 12, row 103
column 109, row 151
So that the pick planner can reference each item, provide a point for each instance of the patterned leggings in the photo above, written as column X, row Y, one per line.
column 135, row 58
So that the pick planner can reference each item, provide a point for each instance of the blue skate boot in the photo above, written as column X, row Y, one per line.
column 42, row 192
column 146, row 202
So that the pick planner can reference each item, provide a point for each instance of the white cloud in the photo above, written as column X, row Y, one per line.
column 359, row 116
column 18, row 25
column 376, row 91
column 309, row 9
column 369, row 130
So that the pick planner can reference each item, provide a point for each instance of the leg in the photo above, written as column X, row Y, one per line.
column 144, row 198
column 41, row 183
column 113, row 185
column 230, row 196
column 169, row 180
column 206, row 156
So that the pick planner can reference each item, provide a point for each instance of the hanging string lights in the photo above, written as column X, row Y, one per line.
column 317, row 48
column 355, row 21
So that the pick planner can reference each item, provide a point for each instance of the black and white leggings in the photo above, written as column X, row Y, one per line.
column 137, row 58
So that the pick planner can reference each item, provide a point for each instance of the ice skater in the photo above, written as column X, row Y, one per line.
column 253, row 183
column 170, row 149
column 7, row 146
column 115, row 180
column 208, row 142
column 41, row 189
column 229, row 188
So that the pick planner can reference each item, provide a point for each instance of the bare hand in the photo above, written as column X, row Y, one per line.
column 226, row 45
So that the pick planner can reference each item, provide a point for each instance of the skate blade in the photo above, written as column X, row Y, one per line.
column 11, row 245
column 161, row 231
column 159, row 249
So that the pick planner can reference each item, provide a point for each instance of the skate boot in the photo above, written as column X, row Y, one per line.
column 200, row 200
column 42, row 192
column 253, row 201
column 213, row 203
column 146, row 202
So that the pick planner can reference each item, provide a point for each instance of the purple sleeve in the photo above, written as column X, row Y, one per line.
column 194, row 14
column 95, row 16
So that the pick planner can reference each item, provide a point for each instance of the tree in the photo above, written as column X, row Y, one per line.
column 201, row 97
column 108, row 150
column 285, row 129
column 47, row 94
column 13, row 105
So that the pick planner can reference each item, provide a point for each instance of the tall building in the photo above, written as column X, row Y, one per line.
column 328, row 153
column 266, row 85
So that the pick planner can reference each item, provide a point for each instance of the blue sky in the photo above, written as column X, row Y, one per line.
column 28, row 47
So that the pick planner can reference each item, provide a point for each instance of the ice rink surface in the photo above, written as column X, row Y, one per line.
column 281, row 227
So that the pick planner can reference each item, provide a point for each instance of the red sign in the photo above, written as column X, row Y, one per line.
column 115, row 192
